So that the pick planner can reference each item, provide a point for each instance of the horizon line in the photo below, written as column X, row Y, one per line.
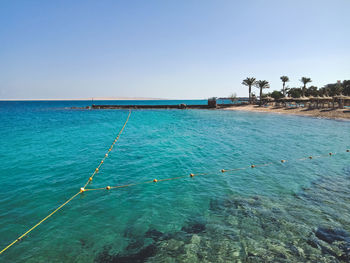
column 100, row 98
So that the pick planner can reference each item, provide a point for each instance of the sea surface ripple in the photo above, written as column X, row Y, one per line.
column 286, row 212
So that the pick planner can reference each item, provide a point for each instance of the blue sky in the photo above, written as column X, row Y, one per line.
column 168, row 49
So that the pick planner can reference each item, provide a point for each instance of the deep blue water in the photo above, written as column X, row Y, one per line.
column 267, row 214
column 44, row 105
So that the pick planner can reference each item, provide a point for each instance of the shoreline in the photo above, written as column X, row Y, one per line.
column 316, row 113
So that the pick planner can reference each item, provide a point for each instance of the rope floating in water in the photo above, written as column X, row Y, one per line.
column 84, row 189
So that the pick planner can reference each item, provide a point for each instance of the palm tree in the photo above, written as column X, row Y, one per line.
column 249, row 82
column 284, row 80
column 262, row 84
column 305, row 81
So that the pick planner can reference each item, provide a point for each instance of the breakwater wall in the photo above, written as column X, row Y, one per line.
column 180, row 106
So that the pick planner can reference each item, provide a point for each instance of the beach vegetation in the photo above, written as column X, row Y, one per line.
column 284, row 80
column 262, row 84
column 324, row 92
column 312, row 91
column 334, row 89
column 276, row 94
column 295, row 92
column 305, row 81
column 346, row 87
column 329, row 90
column 249, row 82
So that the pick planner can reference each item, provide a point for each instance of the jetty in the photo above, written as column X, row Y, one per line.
column 212, row 104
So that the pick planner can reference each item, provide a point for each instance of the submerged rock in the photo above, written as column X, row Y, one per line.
column 346, row 252
column 331, row 235
column 194, row 228
column 141, row 256
column 313, row 243
column 248, row 229
column 135, row 245
column 336, row 242
column 154, row 234
column 297, row 251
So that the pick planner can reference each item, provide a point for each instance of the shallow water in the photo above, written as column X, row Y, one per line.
column 263, row 214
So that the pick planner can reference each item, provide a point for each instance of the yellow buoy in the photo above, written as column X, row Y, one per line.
column 96, row 170
column 108, row 187
column 102, row 161
column 90, row 179
column 106, row 155
column 191, row 175
column 253, row 166
column 155, row 180
column 82, row 190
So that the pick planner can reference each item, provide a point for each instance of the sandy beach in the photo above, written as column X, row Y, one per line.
column 322, row 113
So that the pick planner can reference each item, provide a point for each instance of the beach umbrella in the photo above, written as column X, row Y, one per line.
column 341, row 99
column 341, row 96
column 303, row 99
column 287, row 99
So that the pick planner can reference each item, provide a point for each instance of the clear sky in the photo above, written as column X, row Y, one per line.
column 168, row 49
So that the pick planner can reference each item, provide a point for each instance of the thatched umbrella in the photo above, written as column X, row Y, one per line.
column 325, row 99
column 286, row 99
column 267, row 99
column 312, row 100
column 319, row 100
column 302, row 100
column 322, row 100
column 270, row 99
column 346, row 100
column 341, row 99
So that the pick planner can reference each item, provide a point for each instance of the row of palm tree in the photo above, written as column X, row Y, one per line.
column 304, row 80
column 260, row 84
column 263, row 84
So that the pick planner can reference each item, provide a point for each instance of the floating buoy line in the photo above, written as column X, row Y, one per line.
column 191, row 175
column 82, row 190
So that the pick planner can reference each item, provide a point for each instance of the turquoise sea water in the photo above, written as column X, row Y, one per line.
column 269, row 214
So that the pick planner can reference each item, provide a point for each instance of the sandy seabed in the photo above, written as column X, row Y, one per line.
column 322, row 113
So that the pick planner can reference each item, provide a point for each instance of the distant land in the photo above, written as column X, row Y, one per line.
column 94, row 98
